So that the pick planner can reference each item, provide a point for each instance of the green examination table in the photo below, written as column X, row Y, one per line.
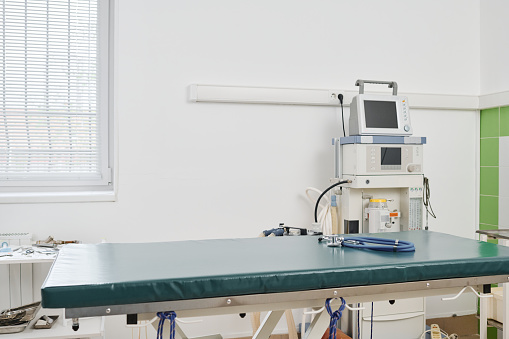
column 228, row 276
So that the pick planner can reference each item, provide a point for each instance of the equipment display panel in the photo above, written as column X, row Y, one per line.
column 382, row 159
column 372, row 114
column 380, row 114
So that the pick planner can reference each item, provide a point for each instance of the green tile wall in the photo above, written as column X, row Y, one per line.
column 492, row 333
column 489, row 151
column 491, row 121
column 489, row 171
column 488, row 214
column 504, row 121
column 489, row 181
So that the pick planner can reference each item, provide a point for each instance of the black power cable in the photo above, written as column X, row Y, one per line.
column 340, row 98
column 323, row 193
column 427, row 202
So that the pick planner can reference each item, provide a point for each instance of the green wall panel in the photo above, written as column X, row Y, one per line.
column 489, row 152
column 489, row 181
column 492, row 333
column 488, row 213
column 490, row 122
column 485, row 227
column 504, row 121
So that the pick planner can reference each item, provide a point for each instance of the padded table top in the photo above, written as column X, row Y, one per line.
column 121, row 273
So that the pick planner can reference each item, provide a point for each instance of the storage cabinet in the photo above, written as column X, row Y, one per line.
column 401, row 318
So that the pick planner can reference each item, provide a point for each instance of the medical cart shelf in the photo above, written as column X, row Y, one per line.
column 496, row 324
column 18, row 257
column 12, row 261
column 493, row 323
column 89, row 328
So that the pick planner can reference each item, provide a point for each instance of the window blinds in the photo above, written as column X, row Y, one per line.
column 49, row 90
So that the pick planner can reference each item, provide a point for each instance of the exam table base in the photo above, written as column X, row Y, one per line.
column 276, row 310
column 315, row 331
column 276, row 303
column 291, row 300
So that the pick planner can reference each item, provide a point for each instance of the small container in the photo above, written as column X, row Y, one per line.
column 47, row 325
column 316, row 228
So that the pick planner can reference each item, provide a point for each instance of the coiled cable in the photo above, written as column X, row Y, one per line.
column 387, row 245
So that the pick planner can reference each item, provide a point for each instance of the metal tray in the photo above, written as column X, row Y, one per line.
column 12, row 319
column 17, row 319
column 29, row 311
column 14, row 328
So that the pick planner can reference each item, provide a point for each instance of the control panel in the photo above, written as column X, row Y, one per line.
column 406, row 119
column 382, row 159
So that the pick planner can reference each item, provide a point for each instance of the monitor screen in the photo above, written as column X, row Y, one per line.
column 391, row 156
column 380, row 114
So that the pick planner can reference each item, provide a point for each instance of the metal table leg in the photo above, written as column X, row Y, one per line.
column 318, row 326
column 268, row 325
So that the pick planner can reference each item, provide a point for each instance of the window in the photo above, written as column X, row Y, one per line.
column 54, row 90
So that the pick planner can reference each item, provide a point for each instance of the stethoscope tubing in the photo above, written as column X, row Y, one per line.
column 388, row 245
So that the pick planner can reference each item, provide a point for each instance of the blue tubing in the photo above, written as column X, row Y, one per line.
column 162, row 317
column 334, row 316
column 388, row 245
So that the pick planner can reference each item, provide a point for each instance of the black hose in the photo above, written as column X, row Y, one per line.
column 323, row 193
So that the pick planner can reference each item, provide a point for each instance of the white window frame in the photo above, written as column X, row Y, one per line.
column 104, row 189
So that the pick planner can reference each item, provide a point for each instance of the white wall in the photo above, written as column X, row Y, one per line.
column 201, row 170
column 494, row 46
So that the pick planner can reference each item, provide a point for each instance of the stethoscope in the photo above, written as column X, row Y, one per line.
column 377, row 244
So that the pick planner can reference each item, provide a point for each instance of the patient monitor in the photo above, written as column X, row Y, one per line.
column 372, row 114
column 375, row 114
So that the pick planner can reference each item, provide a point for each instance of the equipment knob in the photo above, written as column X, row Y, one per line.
column 407, row 128
column 412, row 168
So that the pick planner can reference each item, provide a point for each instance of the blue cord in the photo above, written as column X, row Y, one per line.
column 162, row 317
column 388, row 245
column 334, row 317
column 371, row 320
column 358, row 321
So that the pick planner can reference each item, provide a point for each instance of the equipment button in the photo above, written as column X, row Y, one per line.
column 407, row 128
